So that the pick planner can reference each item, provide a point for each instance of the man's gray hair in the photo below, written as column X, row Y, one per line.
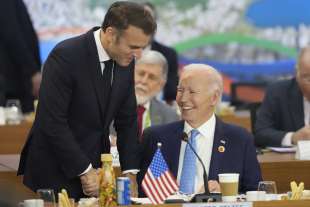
column 154, row 58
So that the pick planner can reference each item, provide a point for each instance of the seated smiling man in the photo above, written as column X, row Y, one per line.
column 224, row 148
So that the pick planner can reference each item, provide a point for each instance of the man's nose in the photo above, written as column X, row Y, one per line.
column 144, row 78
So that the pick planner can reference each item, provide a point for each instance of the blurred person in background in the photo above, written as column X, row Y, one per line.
column 223, row 148
column 19, row 55
column 88, row 81
column 150, row 78
column 170, row 88
column 284, row 116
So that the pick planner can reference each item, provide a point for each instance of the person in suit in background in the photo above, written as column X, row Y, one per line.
column 224, row 148
column 169, row 92
column 150, row 77
column 2, row 91
column 88, row 81
column 20, row 62
column 284, row 116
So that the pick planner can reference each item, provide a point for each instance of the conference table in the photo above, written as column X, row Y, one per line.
column 279, row 167
column 301, row 203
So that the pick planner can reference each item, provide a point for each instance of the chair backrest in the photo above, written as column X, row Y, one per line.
column 244, row 93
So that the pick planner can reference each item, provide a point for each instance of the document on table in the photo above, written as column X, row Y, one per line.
column 282, row 149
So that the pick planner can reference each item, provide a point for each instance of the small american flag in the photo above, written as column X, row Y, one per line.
column 158, row 183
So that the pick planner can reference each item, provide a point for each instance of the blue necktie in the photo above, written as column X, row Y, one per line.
column 187, row 182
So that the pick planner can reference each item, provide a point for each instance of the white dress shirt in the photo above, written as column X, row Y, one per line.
column 103, row 55
column 287, row 140
column 204, row 149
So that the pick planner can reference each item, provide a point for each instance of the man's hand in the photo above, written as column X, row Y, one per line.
column 213, row 185
column 301, row 134
column 36, row 82
column 133, row 184
column 90, row 183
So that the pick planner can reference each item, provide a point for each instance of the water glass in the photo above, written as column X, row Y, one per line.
column 48, row 196
column 270, row 188
column 13, row 111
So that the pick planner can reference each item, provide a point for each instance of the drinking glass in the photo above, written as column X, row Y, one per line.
column 270, row 188
column 13, row 111
column 48, row 196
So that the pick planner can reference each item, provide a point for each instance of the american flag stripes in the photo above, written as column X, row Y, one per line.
column 158, row 183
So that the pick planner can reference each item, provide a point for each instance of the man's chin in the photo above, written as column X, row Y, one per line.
column 142, row 100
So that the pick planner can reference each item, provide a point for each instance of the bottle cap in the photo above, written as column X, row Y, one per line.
column 106, row 157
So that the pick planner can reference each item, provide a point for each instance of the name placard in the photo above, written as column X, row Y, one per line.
column 232, row 204
column 303, row 150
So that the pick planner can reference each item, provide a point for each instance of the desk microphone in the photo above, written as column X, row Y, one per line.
column 206, row 196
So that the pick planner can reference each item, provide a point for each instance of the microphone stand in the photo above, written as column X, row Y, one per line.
column 206, row 196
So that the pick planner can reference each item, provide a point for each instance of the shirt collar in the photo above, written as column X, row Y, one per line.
column 203, row 129
column 146, row 105
column 103, row 55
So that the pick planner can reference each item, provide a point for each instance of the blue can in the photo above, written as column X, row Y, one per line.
column 123, row 191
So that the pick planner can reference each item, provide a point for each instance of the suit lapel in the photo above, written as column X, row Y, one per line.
column 219, row 141
column 95, row 70
column 173, row 138
column 295, row 102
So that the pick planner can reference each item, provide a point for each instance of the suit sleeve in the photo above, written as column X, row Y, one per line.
column 55, row 99
column 12, row 37
column 170, row 89
column 251, row 170
column 127, row 129
column 266, row 132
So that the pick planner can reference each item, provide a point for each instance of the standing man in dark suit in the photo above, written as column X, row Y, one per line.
column 19, row 54
column 223, row 148
column 87, row 82
column 284, row 116
column 170, row 89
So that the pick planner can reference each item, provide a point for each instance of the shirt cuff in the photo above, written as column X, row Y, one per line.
column 87, row 170
column 287, row 139
column 133, row 171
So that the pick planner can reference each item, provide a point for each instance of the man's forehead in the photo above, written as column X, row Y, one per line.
column 191, row 82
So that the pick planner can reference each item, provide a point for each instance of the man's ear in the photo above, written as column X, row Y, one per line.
column 110, row 34
column 214, row 100
column 162, row 83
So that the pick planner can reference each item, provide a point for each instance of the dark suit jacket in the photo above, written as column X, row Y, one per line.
column 239, row 156
column 71, row 128
column 19, row 52
column 170, row 89
column 282, row 111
